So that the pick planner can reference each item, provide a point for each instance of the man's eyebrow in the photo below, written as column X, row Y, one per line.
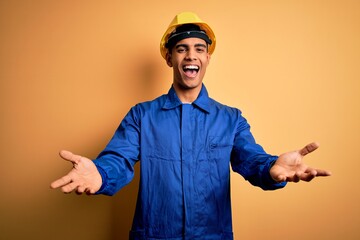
column 187, row 46
column 200, row 45
column 182, row 45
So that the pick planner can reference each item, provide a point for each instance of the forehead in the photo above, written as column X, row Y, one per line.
column 191, row 42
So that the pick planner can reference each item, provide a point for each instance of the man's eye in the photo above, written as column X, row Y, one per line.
column 200, row 49
column 180, row 50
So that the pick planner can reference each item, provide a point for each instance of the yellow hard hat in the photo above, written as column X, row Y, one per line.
column 187, row 18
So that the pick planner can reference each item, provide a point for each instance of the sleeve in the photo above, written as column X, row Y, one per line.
column 250, row 160
column 116, row 162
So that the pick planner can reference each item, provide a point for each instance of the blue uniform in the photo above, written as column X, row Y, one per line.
column 185, row 152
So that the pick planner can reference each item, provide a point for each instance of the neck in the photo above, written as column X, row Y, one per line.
column 187, row 95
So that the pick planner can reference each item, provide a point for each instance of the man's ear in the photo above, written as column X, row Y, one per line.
column 168, row 59
column 208, row 59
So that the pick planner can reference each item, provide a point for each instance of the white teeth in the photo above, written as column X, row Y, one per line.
column 191, row 67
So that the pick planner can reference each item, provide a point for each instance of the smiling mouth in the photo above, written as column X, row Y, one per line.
column 191, row 70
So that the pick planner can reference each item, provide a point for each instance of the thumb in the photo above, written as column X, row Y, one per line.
column 69, row 156
column 309, row 148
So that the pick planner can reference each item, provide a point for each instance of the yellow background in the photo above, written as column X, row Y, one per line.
column 70, row 70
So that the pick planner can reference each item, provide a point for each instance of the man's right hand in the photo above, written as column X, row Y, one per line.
column 83, row 177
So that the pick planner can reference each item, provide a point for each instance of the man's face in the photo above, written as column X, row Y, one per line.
column 189, row 59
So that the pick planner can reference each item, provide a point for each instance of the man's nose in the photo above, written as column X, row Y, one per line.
column 191, row 54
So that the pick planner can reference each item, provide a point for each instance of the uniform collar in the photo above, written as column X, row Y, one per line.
column 202, row 101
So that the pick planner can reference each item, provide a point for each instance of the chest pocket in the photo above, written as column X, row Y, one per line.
column 219, row 148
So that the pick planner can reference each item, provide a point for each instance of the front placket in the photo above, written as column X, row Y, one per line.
column 186, row 162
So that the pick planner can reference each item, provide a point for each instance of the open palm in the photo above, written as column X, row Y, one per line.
column 83, row 177
column 290, row 167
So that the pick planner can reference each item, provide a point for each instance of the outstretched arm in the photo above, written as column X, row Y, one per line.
column 290, row 167
column 83, row 177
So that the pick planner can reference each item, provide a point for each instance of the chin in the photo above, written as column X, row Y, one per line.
column 191, row 83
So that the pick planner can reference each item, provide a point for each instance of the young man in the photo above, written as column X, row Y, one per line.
column 185, row 142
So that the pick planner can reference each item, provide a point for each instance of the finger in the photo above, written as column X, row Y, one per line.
column 80, row 189
column 323, row 173
column 61, row 182
column 308, row 176
column 296, row 178
column 69, row 187
column 69, row 156
column 280, row 178
column 312, row 173
column 309, row 148
column 90, row 191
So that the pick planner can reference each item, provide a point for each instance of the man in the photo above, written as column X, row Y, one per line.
column 185, row 142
